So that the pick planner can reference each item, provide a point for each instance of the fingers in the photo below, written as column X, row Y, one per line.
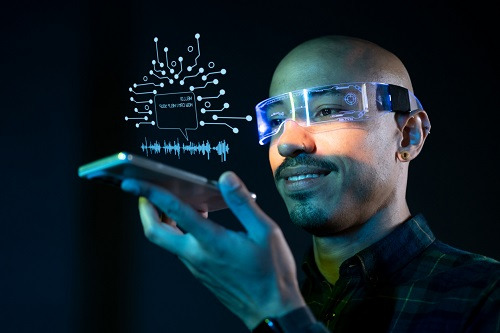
column 165, row 219
column 244, row 207
column 164, row 235
column 184, row 215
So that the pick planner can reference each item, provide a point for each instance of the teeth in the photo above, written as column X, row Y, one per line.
column 300, row 177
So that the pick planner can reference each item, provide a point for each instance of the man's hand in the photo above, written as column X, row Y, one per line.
column 252, row 273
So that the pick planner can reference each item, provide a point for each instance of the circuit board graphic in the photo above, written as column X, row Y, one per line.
column 179, row 95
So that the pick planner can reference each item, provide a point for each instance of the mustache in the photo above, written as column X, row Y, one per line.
column 304, row 160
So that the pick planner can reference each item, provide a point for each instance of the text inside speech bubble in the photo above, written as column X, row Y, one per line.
column 176, row 111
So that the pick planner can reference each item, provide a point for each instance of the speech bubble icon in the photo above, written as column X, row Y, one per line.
column 176, row 111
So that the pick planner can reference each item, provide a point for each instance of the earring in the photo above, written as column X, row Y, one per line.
column 405, row 155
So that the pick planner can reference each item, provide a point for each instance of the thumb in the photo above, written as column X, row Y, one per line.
column 242, row 203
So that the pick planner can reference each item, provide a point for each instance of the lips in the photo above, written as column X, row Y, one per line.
column 302, row 178
column 301, row 171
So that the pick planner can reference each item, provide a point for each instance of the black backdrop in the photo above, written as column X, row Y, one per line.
column 72, row 254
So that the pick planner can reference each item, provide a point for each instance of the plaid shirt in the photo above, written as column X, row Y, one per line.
column 407, row 282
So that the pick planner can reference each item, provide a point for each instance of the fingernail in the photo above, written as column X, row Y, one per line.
column 231, row 181
column 130, row 186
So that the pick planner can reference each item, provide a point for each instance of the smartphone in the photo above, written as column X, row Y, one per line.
column 199, row 192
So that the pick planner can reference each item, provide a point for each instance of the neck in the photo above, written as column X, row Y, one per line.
column 331, row 251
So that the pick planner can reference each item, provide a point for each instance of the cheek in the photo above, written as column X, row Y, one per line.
column 350, row 143
column 275, row 159
column 367, row 145
column 364, row 156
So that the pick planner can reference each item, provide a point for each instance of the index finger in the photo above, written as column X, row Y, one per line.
column 183, row 214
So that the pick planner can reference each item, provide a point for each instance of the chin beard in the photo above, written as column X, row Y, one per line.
column 310, row 218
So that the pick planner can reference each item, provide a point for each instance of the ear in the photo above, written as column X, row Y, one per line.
column 414, row 127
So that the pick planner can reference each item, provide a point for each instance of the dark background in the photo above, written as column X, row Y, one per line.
column 72, row 254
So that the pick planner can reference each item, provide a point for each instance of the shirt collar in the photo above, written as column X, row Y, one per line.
column 386, row 256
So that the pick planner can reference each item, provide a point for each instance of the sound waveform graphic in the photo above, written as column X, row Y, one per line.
column 204, row 148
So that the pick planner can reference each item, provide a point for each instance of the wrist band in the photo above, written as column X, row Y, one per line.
column 297, row 320
column 268, row 325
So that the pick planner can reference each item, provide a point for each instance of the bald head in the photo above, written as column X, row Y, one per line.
column 337, row 59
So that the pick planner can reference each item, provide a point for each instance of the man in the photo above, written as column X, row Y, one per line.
column 342, row 125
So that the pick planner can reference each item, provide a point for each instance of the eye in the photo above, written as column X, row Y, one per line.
column 276, row 122
column 327, row 113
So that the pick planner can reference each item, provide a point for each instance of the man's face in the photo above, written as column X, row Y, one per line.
column 334, row 180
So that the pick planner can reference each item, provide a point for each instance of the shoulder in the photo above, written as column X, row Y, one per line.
column 453, row 270
column 452, row 259
column 438, row 259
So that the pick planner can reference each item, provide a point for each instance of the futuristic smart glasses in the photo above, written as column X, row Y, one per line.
column 316, row 108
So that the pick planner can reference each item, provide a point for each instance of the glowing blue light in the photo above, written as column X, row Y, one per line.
column 262, row 128
column 306, row 102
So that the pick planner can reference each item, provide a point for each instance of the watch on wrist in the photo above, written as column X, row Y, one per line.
column 268, row 325
column 299, row 320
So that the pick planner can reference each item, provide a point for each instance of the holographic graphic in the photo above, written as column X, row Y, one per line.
column 172, row 95
column 204, row 148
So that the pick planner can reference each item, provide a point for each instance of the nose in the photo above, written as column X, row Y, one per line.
column 294, row 140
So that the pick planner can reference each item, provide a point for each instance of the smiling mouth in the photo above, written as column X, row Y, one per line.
column 304, row 171
column 299, row 177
